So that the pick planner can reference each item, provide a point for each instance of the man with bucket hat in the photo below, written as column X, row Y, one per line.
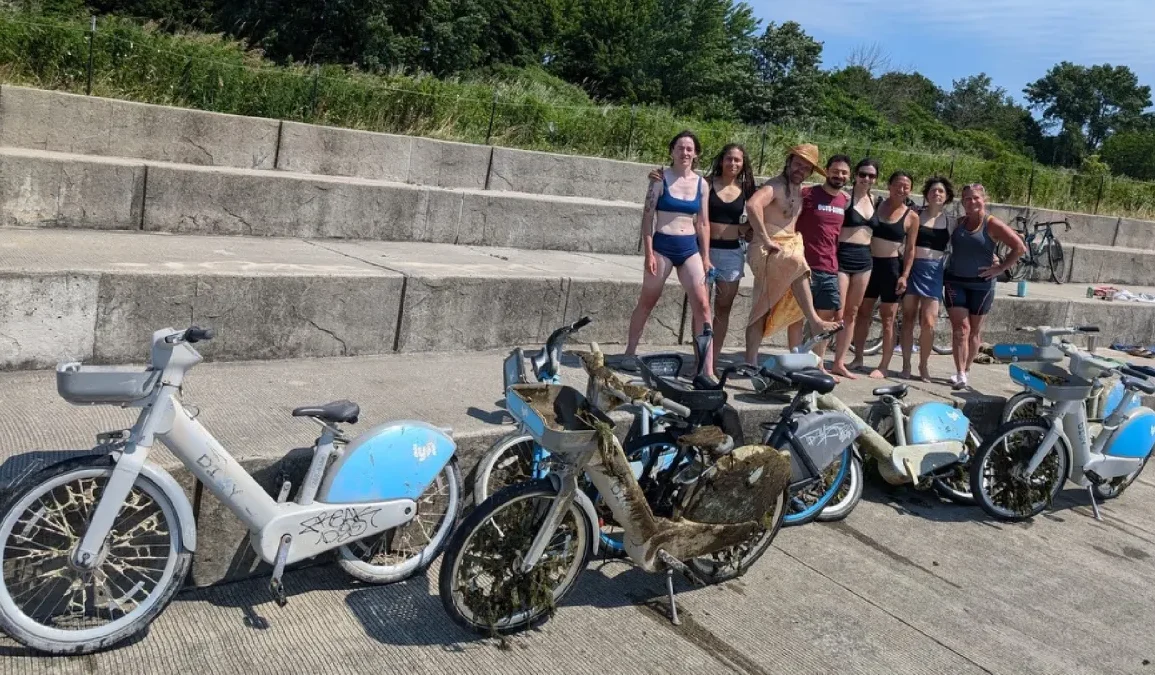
column 777, row 255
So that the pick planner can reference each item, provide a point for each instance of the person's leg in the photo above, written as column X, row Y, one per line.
column 927, row 320
column 855, row 288
column 910, row 304
column 828, row 304
column 727, row 291
column 975, row 325
column 960, row 342
column 692, row 274
column 794, row 334
column 886, row 313
column 652, row 285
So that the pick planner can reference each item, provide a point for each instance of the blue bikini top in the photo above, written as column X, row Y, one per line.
column 671, row 204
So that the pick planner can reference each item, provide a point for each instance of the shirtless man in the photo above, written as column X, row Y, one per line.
column 772, row 213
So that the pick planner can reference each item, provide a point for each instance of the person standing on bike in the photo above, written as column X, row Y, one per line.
column 969, row 279
column 854, row 261
column 924, row 286
column 675, row 235
column 731, row 183
column 820, row 223
column 892, row 255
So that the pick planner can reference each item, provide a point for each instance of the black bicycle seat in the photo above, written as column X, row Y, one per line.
column 812, row 380
column 895, row 390
column 697, row 400
column 335, row 412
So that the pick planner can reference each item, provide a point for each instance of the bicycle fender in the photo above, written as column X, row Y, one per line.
column 587, row 506
column 393, row 460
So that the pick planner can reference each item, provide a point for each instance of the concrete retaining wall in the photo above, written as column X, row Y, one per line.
column 43, row 191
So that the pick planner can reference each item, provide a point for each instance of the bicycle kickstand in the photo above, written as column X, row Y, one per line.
column 672, row 564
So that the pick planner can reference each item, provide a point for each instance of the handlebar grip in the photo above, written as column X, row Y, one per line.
column 1142, row 385
column 674, row 407
column 581, row 323
column 195, row 334
column 1087, row 329
column 1132, row 372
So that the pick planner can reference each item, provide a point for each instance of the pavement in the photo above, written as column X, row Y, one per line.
column 906, row 584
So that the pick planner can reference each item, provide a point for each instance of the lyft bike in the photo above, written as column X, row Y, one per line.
column 709, row 514
column 96, row 546
column 1020, row 469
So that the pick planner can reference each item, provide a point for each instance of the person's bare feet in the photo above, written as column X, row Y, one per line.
column 924, row 373
column 905, row 374
column 877, row 374
column 840, row 369
column 856, row 364
column 822, row 367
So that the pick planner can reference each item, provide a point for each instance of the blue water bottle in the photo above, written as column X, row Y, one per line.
column 1022, row 288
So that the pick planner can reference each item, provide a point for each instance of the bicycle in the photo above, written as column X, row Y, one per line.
column 113, row 535
column 712, row 501
column 1017, row 480
column 1037, row 246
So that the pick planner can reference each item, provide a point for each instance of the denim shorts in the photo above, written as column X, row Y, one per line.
column 824, row 288
column 730, row 262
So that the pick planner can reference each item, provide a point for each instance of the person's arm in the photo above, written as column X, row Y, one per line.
column 703, row 221
column 755, row 209
column 648, row 213
column 911, row 243
column 656, row 174
column 1002, row 233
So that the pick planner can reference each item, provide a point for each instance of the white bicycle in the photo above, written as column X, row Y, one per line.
column 95, row 547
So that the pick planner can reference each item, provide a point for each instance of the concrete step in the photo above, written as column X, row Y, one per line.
column 51, row 189
column 1090, row 264
column 247, row 405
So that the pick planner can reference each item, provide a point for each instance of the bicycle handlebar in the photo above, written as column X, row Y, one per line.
column 821, row 337
column 192, row 335
column 546, row 361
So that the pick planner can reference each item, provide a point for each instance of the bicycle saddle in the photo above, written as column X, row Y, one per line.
column 812, row 380
column 895, row 390
column 335, row 412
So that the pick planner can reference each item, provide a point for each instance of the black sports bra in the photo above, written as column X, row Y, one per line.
column 895, row 231
column 728, row 213
column 854, row 219
column 934, row 238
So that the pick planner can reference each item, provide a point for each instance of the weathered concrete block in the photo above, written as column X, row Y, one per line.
column 43, row 190
column 1135, row 233
column 89, row 125
column 1103, row 264
column 200, row 201
column 270, row 317
column 548, row 173
column 1008, row 314
column 448, row 164
column 1085, row 228
column 443, row 312
column 1118, row 320
column 610, row 304
column 332, row 151
column 565, row 224
column 46, row 319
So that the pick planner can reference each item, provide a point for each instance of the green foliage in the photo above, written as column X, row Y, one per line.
column 1131, row 152
column 1094, row 101
column 787, row 84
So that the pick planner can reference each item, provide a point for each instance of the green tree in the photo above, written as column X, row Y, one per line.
column 1094, row 100
column 788, row 85
column 1131, row 153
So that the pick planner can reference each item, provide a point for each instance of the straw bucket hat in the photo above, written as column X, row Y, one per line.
column 808, row 152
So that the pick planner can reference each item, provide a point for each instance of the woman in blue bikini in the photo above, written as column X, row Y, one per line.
column 676, row 234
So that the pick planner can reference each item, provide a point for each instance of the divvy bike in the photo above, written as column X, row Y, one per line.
column 96, row 546
column 1020, row 469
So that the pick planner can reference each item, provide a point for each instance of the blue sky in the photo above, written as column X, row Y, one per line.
column 1013, row 41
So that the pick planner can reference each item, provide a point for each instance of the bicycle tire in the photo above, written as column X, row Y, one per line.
column 1053, row 469
column 811, row 512
column 1056, row 260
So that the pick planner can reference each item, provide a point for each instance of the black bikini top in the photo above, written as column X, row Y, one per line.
column 895, row 231
column 728, row 213
column 854, row 219
column 934, row 238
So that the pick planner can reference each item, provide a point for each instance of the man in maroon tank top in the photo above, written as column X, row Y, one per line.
column 823, row 210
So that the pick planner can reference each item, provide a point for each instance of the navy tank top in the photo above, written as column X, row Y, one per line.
column 970, row 251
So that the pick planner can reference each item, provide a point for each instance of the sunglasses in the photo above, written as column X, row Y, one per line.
column 867, row 174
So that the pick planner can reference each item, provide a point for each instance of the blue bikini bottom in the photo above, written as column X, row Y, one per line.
column 677, row 247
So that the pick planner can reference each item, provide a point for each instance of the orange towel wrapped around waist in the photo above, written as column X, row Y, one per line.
column 774, row 272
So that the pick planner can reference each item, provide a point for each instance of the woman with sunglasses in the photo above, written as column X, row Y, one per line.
column 854, row 260
column 969, row 280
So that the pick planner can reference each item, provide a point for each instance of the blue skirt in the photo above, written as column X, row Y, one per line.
column 925, row 278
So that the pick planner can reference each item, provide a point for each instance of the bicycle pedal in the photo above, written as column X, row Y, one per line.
column 278, row 590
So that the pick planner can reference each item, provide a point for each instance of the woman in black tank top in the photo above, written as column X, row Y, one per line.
column 924, row 287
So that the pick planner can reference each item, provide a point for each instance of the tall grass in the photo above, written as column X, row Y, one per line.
column 140, row 63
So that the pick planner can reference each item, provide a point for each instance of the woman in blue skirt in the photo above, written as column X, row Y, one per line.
column 924, row 287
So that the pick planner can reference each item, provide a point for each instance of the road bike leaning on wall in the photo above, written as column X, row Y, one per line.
column 96, row 546
column 1040, row 248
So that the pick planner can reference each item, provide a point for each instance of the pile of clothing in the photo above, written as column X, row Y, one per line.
column 1119, row 294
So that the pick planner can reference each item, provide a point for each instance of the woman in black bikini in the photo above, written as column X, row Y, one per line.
column 896, row 230
column 675, row 234
column 854, row 261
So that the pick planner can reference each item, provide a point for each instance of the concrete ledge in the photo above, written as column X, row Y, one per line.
column 549, row 173
column 89, row 125
column 38, row 190
column 1110, row 265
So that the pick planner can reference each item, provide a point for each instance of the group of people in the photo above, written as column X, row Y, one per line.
column 821, row 255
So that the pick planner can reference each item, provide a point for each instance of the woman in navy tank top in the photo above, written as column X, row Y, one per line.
column 675, row 234
column 969, row 280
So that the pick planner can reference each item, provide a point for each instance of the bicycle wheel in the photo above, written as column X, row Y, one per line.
column 49, row 605
column 874, row 337
column 1024, row 405
column 397, row 554
column 1055, row 260
column 848, row 495
column 995, row 481
column 1017, row 271
column 481, row 584
column 955, row 485
column 1115, row 487
column 737, row 560
column 806, row 504
column 514, row 458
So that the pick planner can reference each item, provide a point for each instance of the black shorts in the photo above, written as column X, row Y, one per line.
column 974, row 295
column 883, row 282
column 853, row 258
column 824, row 289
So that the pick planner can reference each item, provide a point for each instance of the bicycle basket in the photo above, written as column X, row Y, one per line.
column 95, row 385
column 697, row 400
column 555, row 416
column 1049, row 381
column 513, row 369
